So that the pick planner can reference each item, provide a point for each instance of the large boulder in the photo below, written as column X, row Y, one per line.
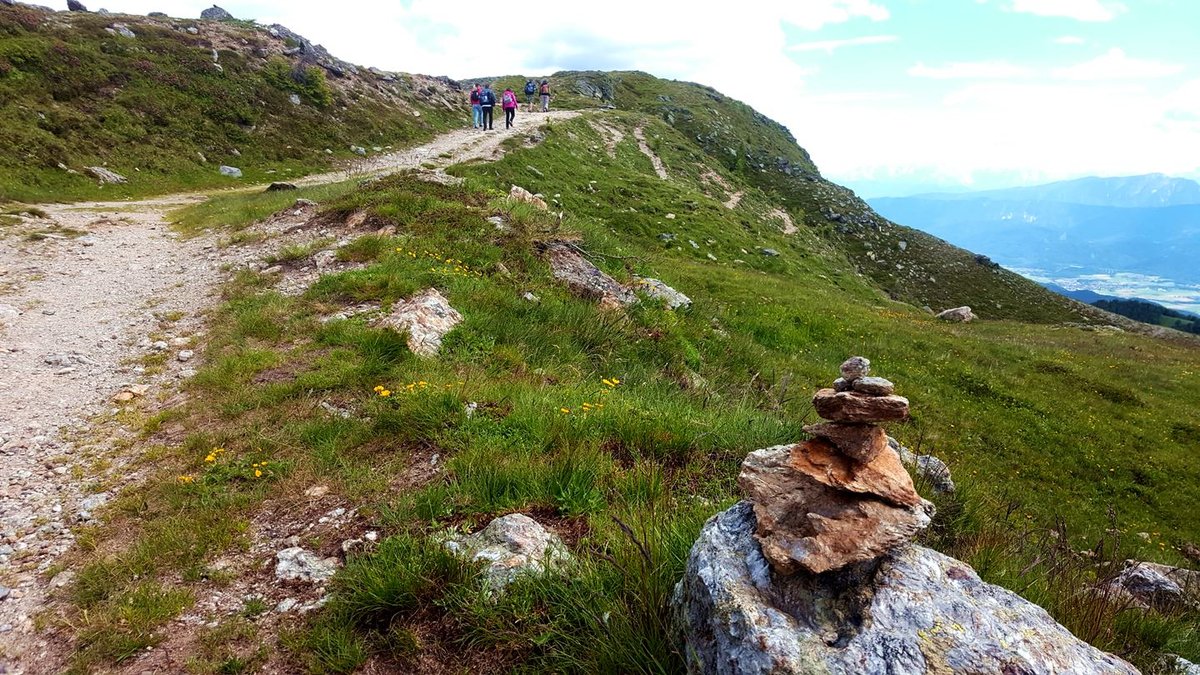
column 215, row 13
column 584, row 278
column 76, row 6
column 914, row 612
column 818, row 510
column 510, row 546
column 959, row 314
column 426, row 317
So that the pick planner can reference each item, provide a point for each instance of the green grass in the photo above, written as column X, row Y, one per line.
column 1046, row 428
column 156, row 110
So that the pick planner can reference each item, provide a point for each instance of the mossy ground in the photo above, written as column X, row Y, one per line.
column 1089, row 435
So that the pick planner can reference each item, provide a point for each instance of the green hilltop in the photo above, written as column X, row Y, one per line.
column 621, row 429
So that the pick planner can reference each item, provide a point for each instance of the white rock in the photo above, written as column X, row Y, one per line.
column 426, row 317
column 510, row 546
column 660, row 291
column 960, row 314
column 295, row 563
column 185, row 355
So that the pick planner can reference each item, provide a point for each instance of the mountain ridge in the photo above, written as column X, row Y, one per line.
column 1138, row 191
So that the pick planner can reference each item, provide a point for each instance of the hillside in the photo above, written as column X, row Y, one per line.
column 269, row 459
column 165, row 102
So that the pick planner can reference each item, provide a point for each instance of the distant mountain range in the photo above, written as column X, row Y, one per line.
column 1138, row 234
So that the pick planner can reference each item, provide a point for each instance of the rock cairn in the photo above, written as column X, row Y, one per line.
column 843, row 497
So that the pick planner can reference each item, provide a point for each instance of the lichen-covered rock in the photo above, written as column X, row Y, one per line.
column 915, row 612
column 852, row 406
column 584, row 278
column 960, row 314
column 818, row 510
column 660, row 291
column 510, row 546
column 855, row 367
column 426, row 317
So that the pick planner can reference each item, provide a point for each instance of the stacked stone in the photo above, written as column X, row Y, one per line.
column 843, row 497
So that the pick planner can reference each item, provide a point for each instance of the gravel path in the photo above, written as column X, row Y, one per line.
column 86, row 321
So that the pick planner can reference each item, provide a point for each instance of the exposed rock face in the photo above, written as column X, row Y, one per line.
column 960, row 314
column 1150, row 585
column 522, row 195
column 660, row 291
column 860, row 442
column 852, row 406
column 122, row 30
column 426, row 317
column 105, row 176
column 215, row 13
column 510, row 546
column 819, row 511
column 584, row 279
column 915, row 612
column 297, row 564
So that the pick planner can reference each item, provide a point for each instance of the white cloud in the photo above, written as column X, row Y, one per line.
column 1069, row 40
column 829, row 46
column 813, row 14
column 970, row 70
column 1080, row 10
column 1115, row 65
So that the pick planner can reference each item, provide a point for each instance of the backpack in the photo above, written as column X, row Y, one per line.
column 487, row 97
column 530, row 88
column 475, row 97
column 510, row 99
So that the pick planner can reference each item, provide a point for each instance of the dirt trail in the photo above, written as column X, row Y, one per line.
column 659, row 168
column 112, row 313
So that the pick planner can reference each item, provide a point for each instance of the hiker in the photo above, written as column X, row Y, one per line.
column 530, row 92
column 508, row 101
column 545, row 92
column 487, row 101
column 476, row 109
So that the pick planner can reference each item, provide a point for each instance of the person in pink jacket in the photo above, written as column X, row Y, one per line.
column 508, row 101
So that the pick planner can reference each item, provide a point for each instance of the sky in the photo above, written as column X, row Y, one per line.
column 890, row 97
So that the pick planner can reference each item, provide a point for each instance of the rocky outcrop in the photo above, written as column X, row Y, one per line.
column 76, row 6
column 913, row 612
column 105, row 176
column 959, row 314
column 426, row 317
column 658, row 290
column 216, row 13
column 510, row 546
column 585, row 279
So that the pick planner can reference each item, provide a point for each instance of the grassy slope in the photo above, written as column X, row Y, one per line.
column 1038, row 423
column 74, row 94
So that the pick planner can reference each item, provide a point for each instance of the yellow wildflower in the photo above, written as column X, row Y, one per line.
column 211, row 458
column 258, row 473
column 186, row 479
column 385, row 393
column 565, row 411
column 379, row 387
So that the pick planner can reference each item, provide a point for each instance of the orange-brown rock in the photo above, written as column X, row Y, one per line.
column 818, row 510
column 860, row 442
column 852, row 406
